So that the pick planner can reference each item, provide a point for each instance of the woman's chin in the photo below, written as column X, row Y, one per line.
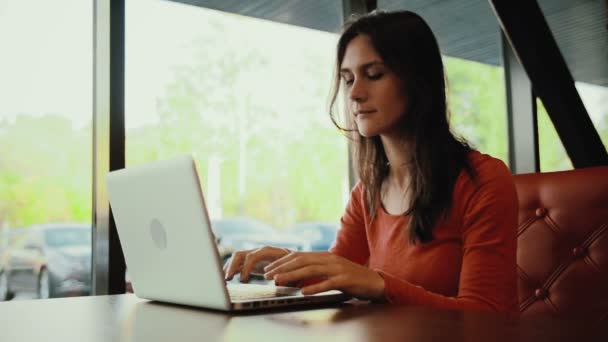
column 367, row 128
column 367, row 133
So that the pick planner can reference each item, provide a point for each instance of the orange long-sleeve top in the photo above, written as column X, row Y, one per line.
column 470, row 264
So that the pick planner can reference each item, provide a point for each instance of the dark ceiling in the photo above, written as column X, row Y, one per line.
column 324, row 15
column 469, row 29
column 465, row 29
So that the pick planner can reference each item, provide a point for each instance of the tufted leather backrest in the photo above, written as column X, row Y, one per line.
column 562, row 252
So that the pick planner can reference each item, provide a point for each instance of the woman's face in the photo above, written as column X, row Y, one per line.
column 374, row 93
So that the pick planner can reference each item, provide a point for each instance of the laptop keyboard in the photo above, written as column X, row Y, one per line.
column 251, row 291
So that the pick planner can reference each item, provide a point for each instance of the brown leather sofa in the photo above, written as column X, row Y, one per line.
column 562, row 251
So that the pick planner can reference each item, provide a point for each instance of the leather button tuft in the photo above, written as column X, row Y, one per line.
column 541, row 212
column 578, row 252
column 541, row 293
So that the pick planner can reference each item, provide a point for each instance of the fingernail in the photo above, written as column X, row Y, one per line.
column 267, row 276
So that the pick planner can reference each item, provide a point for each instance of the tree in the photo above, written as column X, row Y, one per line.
column 45, row 170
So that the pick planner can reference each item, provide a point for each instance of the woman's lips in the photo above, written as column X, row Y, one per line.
column 365, row 112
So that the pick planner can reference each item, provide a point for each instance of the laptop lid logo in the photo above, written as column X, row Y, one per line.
column 158, row 234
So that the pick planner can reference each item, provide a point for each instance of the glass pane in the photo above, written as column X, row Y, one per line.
column 595, row 99
column 553, row 156
column 476, row 98
column 551, row 151
column 248, row 99
column 45, row 148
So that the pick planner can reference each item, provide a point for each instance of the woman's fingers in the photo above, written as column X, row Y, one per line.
column 322, row 286
column 294, row 260
column 251, row 259
column 280, row 261
column 305, row 272
column 293, row 264
column 260, row 254
column 235, row 264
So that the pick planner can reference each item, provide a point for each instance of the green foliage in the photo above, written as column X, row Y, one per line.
column 476, row 99
column 552, row 154
column 45, row 171
column 261, row 113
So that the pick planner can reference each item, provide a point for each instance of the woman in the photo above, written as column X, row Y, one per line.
column 431, row 221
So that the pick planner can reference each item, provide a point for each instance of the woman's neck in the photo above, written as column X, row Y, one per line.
column 399, row 155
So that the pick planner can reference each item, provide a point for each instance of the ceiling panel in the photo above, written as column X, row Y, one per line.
column 468, row 29
column 324, row 15
column 465, row 29
column 581, row 31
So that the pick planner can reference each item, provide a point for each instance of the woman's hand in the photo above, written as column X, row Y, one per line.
column 243, row 262
column 335, row 272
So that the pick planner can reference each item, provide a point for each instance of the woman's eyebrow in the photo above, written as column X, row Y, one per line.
column 363, row 66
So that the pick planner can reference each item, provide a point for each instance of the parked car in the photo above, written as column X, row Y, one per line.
column 50, row 260
column 6, row 239
column 318, row 235
column 239, row 233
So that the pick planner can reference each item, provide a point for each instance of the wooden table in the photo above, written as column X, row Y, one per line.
column 127, row 318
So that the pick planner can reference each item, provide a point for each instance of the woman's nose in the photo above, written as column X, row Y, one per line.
column 358, row 92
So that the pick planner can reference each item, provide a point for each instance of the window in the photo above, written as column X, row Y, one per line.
column 248, row 99
column 45, row 137
column 595, row 99
column 553, row 156
column 476, row 99
column 552, row 153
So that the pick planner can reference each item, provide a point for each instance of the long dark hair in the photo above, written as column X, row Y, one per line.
column 409, row 49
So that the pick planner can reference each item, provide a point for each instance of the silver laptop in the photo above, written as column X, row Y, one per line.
column 169, row 247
